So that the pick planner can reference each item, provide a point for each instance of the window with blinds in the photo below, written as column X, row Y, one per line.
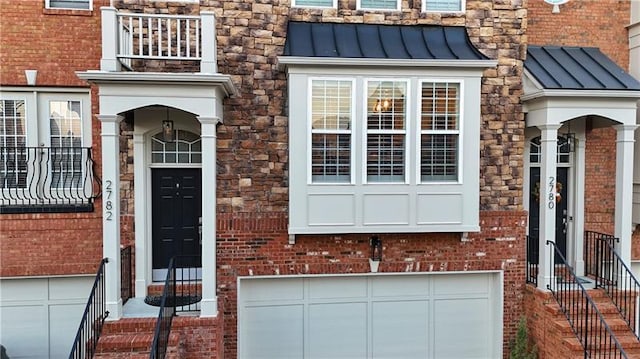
column 443, row 5
column 331, row 126
column 69, row 4
column 439, row 131
column 379, row 4
column 315, row 3
column 13, row 139
column 65, row 125
column 386, row 131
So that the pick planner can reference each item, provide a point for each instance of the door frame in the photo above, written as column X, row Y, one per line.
column 575, row 189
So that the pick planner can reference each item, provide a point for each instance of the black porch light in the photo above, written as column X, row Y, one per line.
column 376, row 248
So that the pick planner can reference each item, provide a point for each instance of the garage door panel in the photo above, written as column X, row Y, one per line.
column 472, row 283
column 400, row 286
column 34, row 289
column 338, row 330
column 466, row 320
column 70, row 288
column 346, row 287
column 263, row 341
column 262, row 290
column 22, row 331
column 399, row 329
column 63, row 325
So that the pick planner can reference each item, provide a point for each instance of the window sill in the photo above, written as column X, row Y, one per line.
column 68, row 12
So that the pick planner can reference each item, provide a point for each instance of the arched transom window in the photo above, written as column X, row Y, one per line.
column 184, row 148
column 564, row 149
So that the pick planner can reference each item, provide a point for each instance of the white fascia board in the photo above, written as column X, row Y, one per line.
column 104, row 77
column 284, row 61
column 611, row 94
column 380, row 229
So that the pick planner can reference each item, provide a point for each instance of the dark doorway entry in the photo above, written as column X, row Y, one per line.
column 534, row 211
column 176, row 201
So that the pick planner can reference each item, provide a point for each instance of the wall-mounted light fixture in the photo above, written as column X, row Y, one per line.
column 376, row 253
column 167, row 130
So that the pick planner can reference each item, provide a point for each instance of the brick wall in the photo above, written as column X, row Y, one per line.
column 257, row 244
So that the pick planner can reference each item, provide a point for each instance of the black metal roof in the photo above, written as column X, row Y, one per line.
column 576, row 68
column 420, row 42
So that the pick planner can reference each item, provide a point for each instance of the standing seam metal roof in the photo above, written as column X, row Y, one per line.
column 421, row 42
column 576, row 68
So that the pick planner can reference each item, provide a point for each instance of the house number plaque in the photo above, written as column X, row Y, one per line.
column 551, row 197
column 108, row 204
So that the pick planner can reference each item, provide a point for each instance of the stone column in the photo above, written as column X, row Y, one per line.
column 624, row 190
column 547, row 201
column 209, row 304
column 111, row 211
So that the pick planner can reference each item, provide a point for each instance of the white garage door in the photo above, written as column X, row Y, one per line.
column 39, row 317
column 371, row 316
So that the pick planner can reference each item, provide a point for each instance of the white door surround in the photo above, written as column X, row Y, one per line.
column 198, row 94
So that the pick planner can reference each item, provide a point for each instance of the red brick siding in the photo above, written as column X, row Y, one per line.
column 258, row 245
column 55, row 42
column 594, row 23
column 600, row 180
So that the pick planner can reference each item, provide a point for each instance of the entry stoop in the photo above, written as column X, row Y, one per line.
column 568, row 342
column 132, row 338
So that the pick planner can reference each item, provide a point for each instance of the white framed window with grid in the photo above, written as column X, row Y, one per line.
column 69, row 4
column 315, row 3
column 443, row 5
column 386, row 130
column 440, row 128
column 331, row 136
column 13, row 142
column 382, row 5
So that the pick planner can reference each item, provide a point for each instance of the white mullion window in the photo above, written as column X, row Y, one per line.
column 393, row 5
column 315, row 3
column 65, row 126
column 443, row 5
column 440, row 132
column 13, row 142
column 386, row 135
column 69, row 4
column 331, row 123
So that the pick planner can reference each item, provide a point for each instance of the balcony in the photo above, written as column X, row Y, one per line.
column 158, row 42
column 47, row 179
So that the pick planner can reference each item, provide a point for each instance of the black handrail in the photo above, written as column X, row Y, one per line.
column 613, row 275
column 182, row 293
column 95, row 313
column 126, row 276
column 585, row 319
column 47, row 179
column 532, row 260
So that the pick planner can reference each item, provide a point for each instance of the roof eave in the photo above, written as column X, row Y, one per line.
column 285, row 61
column 557, row 93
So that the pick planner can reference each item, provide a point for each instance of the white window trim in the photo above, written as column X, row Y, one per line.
column 460, row 131
column 360, row 7
column 463, row 7
column 353, row 130
column 47, row 4
column 408, row 124
column 334, row 5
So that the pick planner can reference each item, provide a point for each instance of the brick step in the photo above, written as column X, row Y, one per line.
column 158, row 288
column 130, row 325
column 617, row 326
column 138, row 343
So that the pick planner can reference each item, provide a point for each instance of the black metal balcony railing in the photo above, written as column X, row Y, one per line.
column 611, row 274
column 47, row 179
column 585, row 319
column 95, row 313
column 532, row 260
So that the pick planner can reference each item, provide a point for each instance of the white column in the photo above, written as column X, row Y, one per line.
column 547, row 201
column 209, row 304
column 111, row 211
column 109, row 62
column 208, row 64
column 143, row 274
column 624, row 190
column 578, row 211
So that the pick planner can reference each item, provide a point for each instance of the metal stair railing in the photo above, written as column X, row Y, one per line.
column 585, row 319
column 613, row 275
column 95, row 313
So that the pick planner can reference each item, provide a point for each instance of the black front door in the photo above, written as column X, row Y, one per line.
column 176, row 208
column 534, row 212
